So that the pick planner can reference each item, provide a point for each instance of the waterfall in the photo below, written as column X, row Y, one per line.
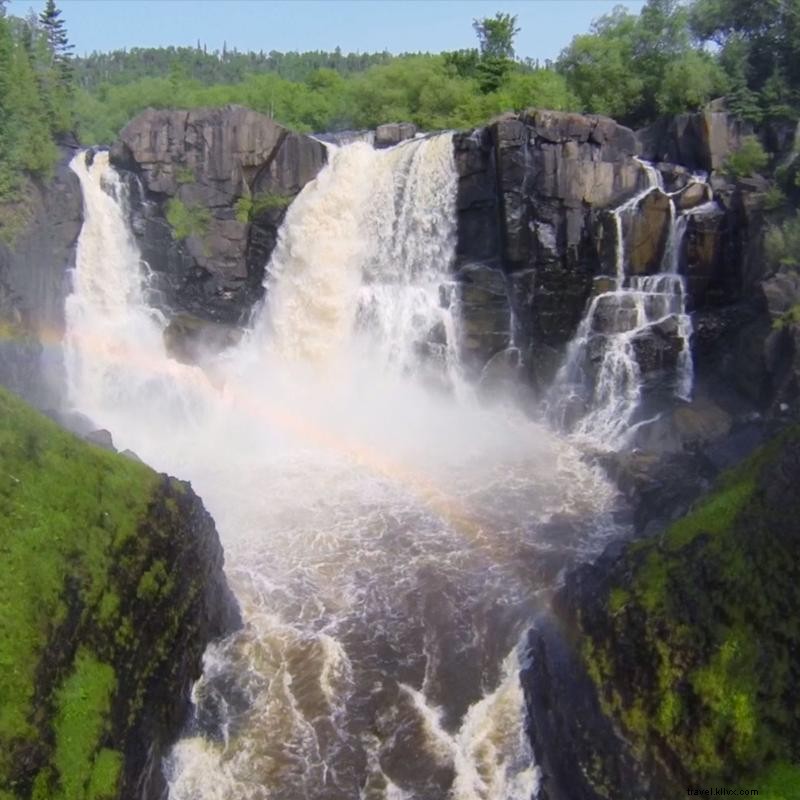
column 599, row 389
column 387, row 537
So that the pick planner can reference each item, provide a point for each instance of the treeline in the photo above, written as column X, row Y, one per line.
column 36, row 101
column 217, row 66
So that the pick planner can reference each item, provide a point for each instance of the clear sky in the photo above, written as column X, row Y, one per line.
column 354, row 25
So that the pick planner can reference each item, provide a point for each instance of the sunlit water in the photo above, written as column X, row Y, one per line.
column 388, row 538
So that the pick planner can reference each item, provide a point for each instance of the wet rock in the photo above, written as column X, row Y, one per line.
column 693, row 195
column 703, row 257
column 614, row 314
column 484, row 309
column 658, row 346
column 190, row 339
column 646, row 234
column 393, row 133
column 236, row 171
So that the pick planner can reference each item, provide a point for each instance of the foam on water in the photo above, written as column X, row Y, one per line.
column 388, row 538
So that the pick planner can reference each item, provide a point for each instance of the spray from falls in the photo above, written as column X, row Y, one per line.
column 388, row 541
column 599, row 389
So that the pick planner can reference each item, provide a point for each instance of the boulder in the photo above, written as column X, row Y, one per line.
column 658, row 346
column 646, row 231
column 393, row 133
column 701, row 141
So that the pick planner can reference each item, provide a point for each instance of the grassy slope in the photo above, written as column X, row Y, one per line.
column 694, row 641
column 77, row 574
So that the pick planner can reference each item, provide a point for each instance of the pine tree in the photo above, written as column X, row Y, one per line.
column 55, row 32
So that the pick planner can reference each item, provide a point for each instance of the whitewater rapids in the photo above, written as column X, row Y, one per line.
column 388, row 537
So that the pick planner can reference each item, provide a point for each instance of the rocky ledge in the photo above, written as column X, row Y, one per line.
column 673, row 661
column 111, row 586
column 213, row 187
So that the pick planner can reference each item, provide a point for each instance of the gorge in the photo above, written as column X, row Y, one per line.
column 416, row 388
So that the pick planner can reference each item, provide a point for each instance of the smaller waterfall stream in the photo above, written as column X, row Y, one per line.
column 602, row 381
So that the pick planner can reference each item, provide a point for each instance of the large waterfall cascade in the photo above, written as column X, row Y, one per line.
column 610, row 389
column 388, row 538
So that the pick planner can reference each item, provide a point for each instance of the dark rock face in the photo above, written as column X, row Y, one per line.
column 234, row 172
column 34, row 282
column 700, row 141
column 393, row 133
column 628, row 689
column 532, row 189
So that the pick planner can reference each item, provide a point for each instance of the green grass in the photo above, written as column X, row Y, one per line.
column 70, row 518
column 64, row 508
column 83, row 707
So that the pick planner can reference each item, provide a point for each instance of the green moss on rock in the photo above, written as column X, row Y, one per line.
column 691, row 639
column 110, row 589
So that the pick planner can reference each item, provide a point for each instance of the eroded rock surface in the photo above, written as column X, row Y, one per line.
column 214, row 187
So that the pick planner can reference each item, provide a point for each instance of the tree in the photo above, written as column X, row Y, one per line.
column 55, row 32
column 496, row 35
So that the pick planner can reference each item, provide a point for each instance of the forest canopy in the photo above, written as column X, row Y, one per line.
column 674, row 56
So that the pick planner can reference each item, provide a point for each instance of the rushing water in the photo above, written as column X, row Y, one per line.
column 611, row 388
column 388, row 537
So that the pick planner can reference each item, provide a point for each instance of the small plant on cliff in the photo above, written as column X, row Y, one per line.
column 782, row 244
column 187, row 220
column 248, row 208
column 748, row 159
column 184, row 175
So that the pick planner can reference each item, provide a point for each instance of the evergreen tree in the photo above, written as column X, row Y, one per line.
column 55, row 32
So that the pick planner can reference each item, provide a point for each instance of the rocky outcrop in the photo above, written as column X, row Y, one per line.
column 35, row 257
column 672, row 663
column 393, row 133
column 699, row 141
column 532, row 190
column 213, row 187
column 111, row 586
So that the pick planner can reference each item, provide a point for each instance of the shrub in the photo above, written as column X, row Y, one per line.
column 187, row 220
column 782, row 244
column 248, row 208
column 749, row 158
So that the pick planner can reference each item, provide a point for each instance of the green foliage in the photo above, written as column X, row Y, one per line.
column 249, row 208
column 187, row 220
column 691, row 651
column 34, row 101
column 83, row 706
column 782, row 244
column 747, row 160
column 88, row 542
column 779, row 782
column 184, row 175
column 774, row 198
column 496, row 35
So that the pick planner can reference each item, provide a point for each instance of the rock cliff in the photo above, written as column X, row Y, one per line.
column 34, row 262
column 674, row 662
column 213, row 187
column 111, row 586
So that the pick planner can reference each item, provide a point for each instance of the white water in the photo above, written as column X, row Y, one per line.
column 615, row 318
column 388, row 539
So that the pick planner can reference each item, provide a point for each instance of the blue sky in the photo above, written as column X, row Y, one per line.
column 354, row 25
